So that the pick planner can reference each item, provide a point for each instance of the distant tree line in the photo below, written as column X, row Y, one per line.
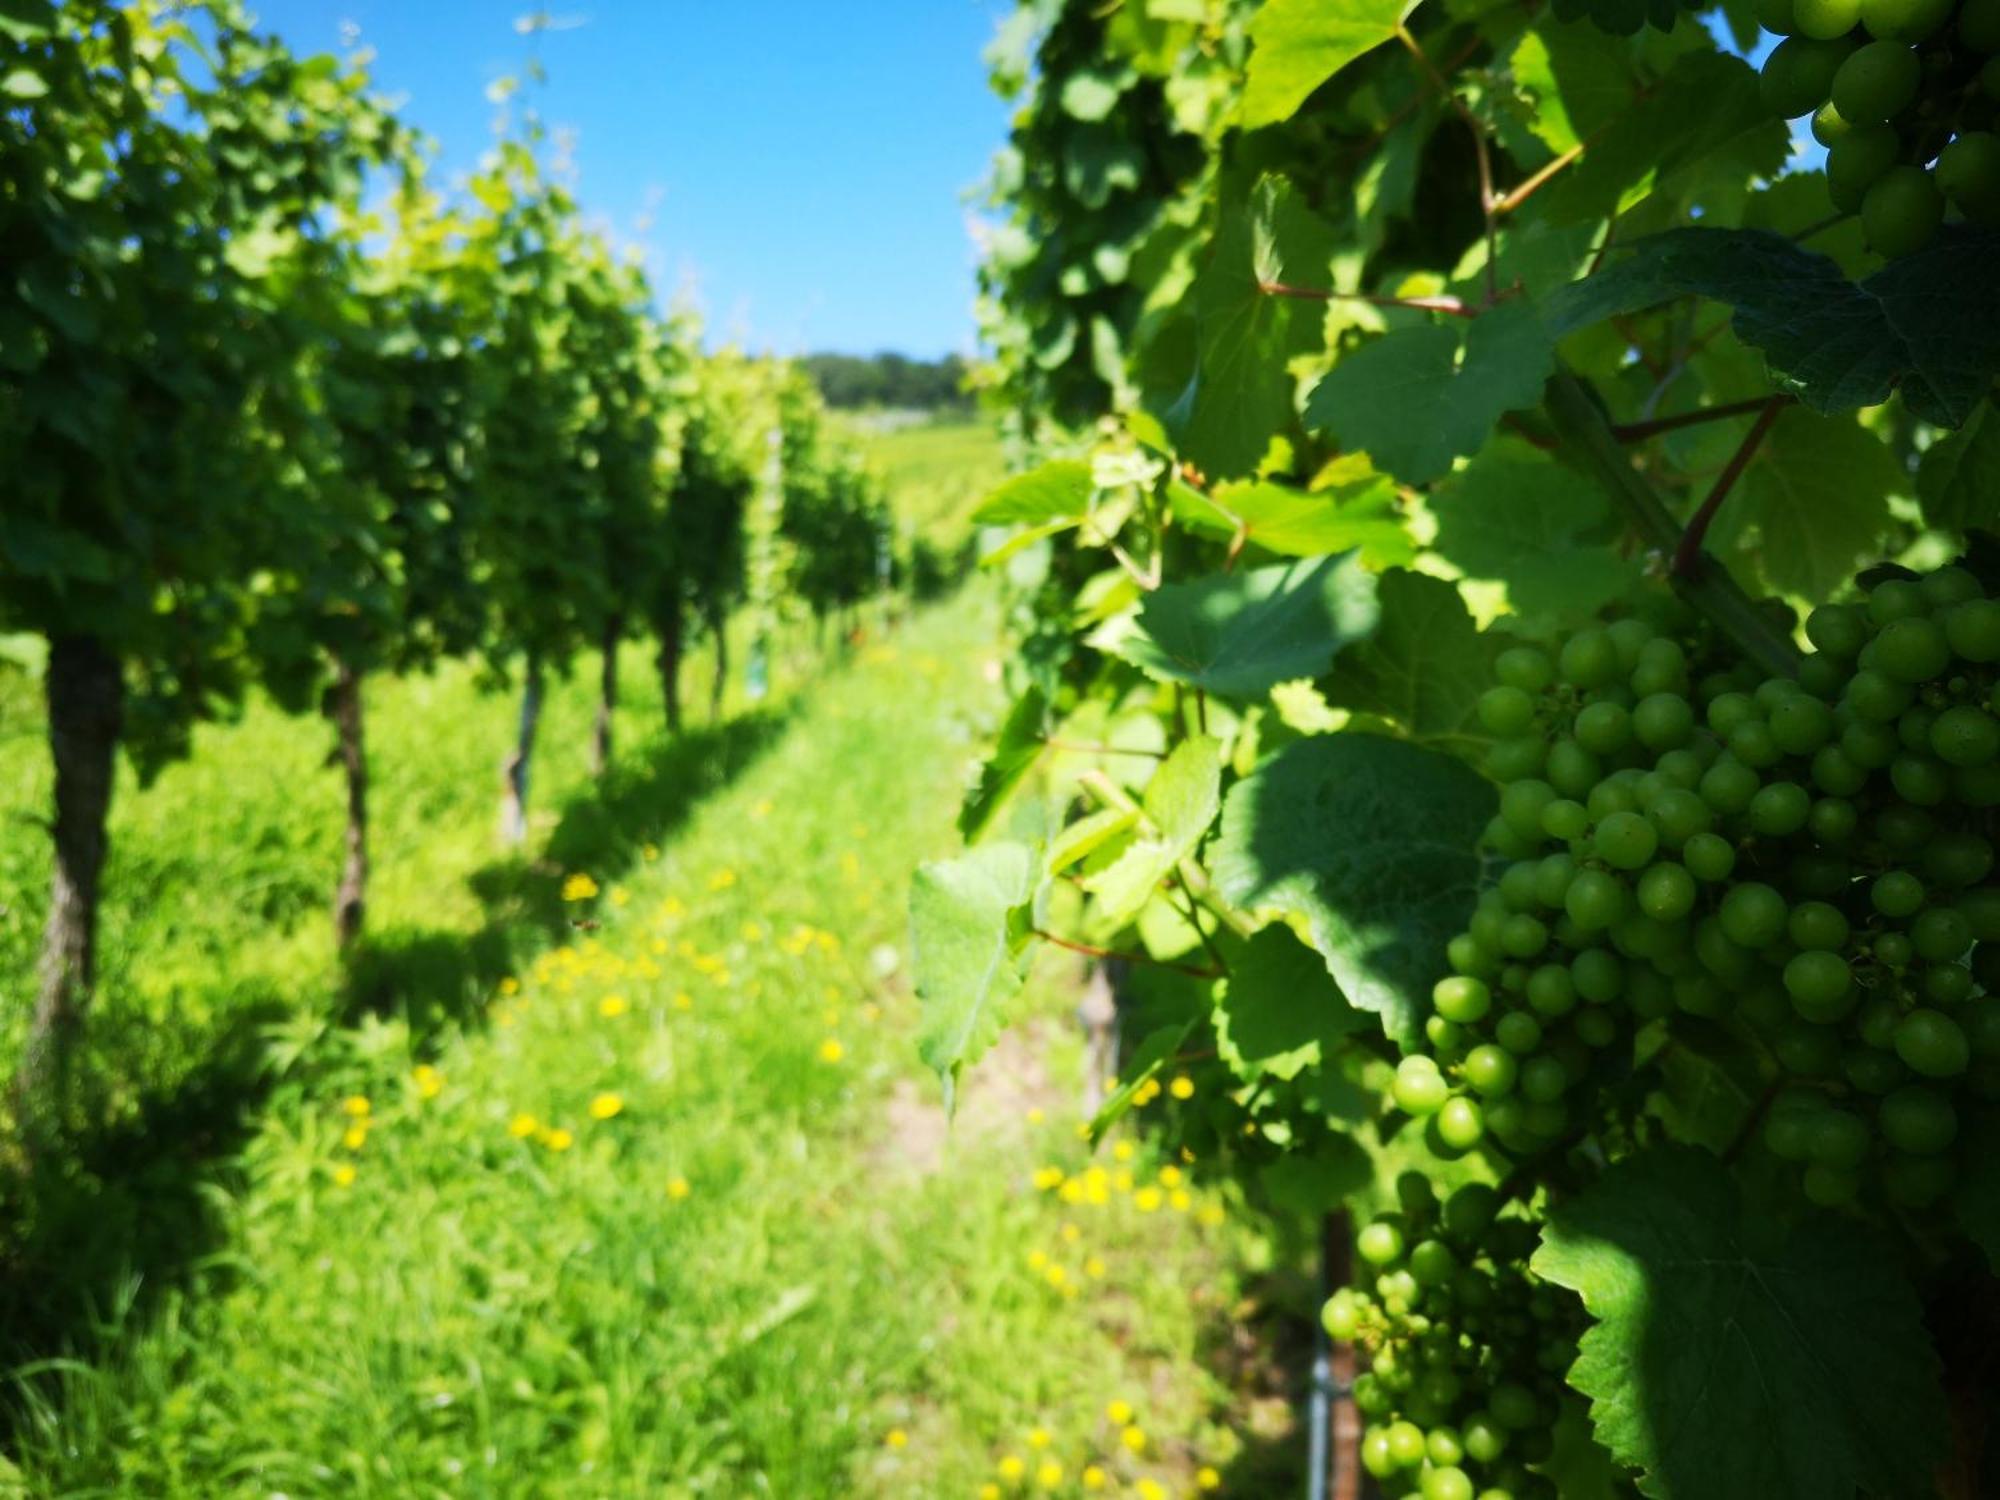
column 889, row 380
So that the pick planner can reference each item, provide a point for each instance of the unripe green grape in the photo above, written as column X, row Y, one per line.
column 1543, row 1080
column 1919, row 1181
column 1835, row 773
column 1950, row 585
column 1628, row 638
column 1506, row 711
column 1825, row 20
column 1516, row 759
column 1902, row 212
column 1625, row 841
column 1377, row 1457
column 1918, row 1120
column 1912, row 649
column 1837, row 1139
column 1821, row 985
column 1801, row 724
column 1588, row 659
column 1857, row 161
column 1445, row 1037
column 1603, row 728
column 1521, row 806
column 1904, row 829
column 1525, row 667
column 1565, row 820
column 1904, row 20
column 1872, row 1071
column 1968, row 173
column 1380, row 1243
column 1444, row 1447
column 1551, row 991
column 1981, row 910
column 1972, row 628
column 1822, row 677
column 1817, row 925
column 1828, row 128
column 1957, row 859
column 1446, row 1483
column 1419, row 1088
column 1875, row 698
column 1752, row 915
column 1663, row 721
column 1727, row 710
column 1461, row 1124
column 1931, row 1043
column 1920, row 780
column 1876, row 82
column 1406, row 1444
column 1788, row 1133
column 1341, row 1317
column 1838, row 630
column 1830, row 1187
column 1666, row 891
column 1513, row 1406
column 1798, row 75
column 1432, row 1262
column 1523, row 936
column 1490, row 1071
column 1940, row 933
column 1461, row 998
column 1595, row 900
column 1519, row 1032
column 1709, row 857
column 1833, row 821
column 1779, row 809
column 1979, row 25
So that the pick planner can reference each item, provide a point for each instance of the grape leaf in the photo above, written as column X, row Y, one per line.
column 1020, row 742
column 1417, row 398
column 1362, row 514
column 1088, row 834
column 1302, row 43
column 1928, row 323
column 1959, row 477
column 1179, row 804
column 1817, row 500
column 1370, row 840
column 1054, row 492
column 1534, row 526
column 969, row 932
column 1280, row 1012
column 1426, row 664
column 1242, row 391
column 1239, row 634
column 1735, row 1357
column 1140, row 1068
column 1310, row 1183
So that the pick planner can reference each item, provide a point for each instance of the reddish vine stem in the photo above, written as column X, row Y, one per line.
column 1487, row 200
column 1420, row 304
column 1091, row 950
column 1522, row 191
column 1687, row 556
column 1634, row 432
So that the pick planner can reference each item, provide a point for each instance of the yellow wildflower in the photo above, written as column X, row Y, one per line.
column 1120, row 1412
column 871, row 1012
column 989, row 1491
column 355, row 1105
column 1179, row 1200
column 1035, row 1115
column 1151, row 1489
column 1037, row 1259
column 1133, row 1439
column 1211, row 1215
column 897, row 1438
column 650, row 851
column 830, row 1050
column 579, row 887
column 620, row 896
column 1094, row 1266
column 1182, row 1087
column 1124, row 1151
column 762, row 809
column 1071, row 1233
column 677, row 1188
column 1049, row 1474
column 510, row 986
column 343, row 1175
column 1094, row 1477
column 1038, row 1437
column 613, row 1005
column 1146, row 1200
column 683, row 1001
column 1171, row 1177
column 753, row 932
column 1071, row 1191
column 1012, row 1468
column 522, row 1126
column 558, row 1139
column 1208, row 1478
column 604, row 1106
column 355, row 1137
column 1057, row 1276
column 722, row 880
column 427, row 1079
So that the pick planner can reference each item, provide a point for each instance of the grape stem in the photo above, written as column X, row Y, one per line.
column 1635, row 432
column 1079, row 749
column 1091, row 950
column 1589, row 441
column 1688, row 558
column 1751, row 1121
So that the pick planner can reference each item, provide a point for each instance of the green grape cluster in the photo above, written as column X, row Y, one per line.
column 1904, row 94
column 1466, row 1347
column 1809, row 862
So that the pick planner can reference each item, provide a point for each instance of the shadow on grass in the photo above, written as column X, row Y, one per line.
column 118, row 1210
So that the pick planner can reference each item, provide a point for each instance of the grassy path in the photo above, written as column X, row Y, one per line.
column 674, row 1214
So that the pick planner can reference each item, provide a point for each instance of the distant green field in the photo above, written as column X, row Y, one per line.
column 938, row 472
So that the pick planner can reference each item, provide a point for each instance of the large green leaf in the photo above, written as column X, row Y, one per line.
column 969, row 932
column 1179, row 804
column 1426, row 664
column 1362, row 514
column 1737, row 1357
column 1280, row 1012
column 1302, row 43
column 1242, row 392
column 1370, row 840
column 1538, row 527
column 1239, row 634
column 1959, row 478
column 1417, row 398
column 1928, row 323
column 1138, row 1070
column 1817, row 499
column 1053, row 492
column 1021, row 739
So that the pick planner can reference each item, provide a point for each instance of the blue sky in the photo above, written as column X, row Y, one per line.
column 801, row 163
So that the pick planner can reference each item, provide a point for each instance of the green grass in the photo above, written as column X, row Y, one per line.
column 938, row 472
column 214, row 1309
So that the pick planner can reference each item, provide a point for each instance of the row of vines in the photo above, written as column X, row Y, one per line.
column 281, row 413
column 1507, row 668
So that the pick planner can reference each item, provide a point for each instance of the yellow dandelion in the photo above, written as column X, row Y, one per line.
column 510, row 986
column 1049, row 1474
column 558, row 1139
column 1211, row 1215
column 989, row 1491
column 604, row 1106
column 1120, row 1412
column 1037, row 1259
column 1172, row 1177
column 828, row 943
column 620, row 896
column 1038, row 1437
column 1036, row 1115
column 1146, row 1200
column 677, row 1188
column 1179, row 1200
column 522, row 1126
column 1207, row 1477
column 1094, row 1267
column 355, row 1105
column 1012, row 1467
column 343, row 1175
column 1134, row 1440
column 1182, row 1087
column 722, row 880
column 683, row 1001
column 354, row 1137
column 1151, row 1489
column 762, row 809
column 897, row 1438
column 1072, row 1191
column 661, row 946
column 427, row 1079
column 650, row 851
column 830, row 1050
column 579, row 887
column 1094, row 1477
column 1071, row 1234
column 753, row 932
column 1124, row 1151
column 613, row 1005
